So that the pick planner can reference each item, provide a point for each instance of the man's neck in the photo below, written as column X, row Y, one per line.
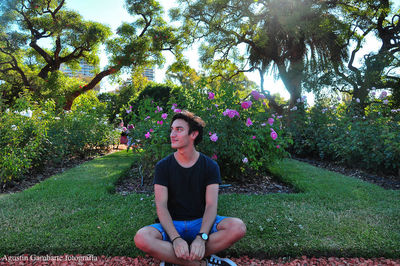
column 187, row 156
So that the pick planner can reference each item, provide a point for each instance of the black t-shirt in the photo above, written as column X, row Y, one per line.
column 187, row 186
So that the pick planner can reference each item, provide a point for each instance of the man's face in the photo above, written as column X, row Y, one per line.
column 179, row 136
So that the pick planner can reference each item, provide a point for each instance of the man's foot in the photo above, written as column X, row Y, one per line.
column 217, row 261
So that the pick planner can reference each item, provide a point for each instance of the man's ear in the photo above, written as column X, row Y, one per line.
column 194, row 134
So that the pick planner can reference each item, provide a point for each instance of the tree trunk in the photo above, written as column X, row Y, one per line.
column 89, row 86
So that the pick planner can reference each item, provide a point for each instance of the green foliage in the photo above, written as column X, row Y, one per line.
column 236, row 141
column 335, row 132
column 35, row 135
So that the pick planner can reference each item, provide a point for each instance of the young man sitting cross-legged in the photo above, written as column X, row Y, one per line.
column 186, row 187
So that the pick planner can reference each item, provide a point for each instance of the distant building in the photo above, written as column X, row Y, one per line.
column 85, row 71
column 149, row 74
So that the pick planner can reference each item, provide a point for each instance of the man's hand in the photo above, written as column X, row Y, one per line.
column 197, row 249
column 181, row 249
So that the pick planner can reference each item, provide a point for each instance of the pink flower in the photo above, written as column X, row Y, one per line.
column 177, row 110
column 164, row 116
column 248, row 122
column 274, row 135
column 131, row 127
column 159, row 109
column 277, row 146
column 245, row 160
column 270, row 121
column 214, row 137
column 124, row 129
column 148, row 117
column 160, row 122
column 151, row 130
column 263, row 124
column 174, row 106
column 211, row 96
column 214, row 157
column 231, row 113
column 246, row 105
column 209, row 133
column 147, row 135
column 254, row 137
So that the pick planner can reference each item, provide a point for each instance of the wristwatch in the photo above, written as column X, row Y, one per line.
column 203, row 236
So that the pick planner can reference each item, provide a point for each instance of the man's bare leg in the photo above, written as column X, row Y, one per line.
column 149, row 240
column 230, row 230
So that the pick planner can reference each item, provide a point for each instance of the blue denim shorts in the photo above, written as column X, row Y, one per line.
column 188, row 229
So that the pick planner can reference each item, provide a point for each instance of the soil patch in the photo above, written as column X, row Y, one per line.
column 385, row 181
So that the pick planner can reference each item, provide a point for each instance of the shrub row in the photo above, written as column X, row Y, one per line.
column 368, row 140
column 34, row 135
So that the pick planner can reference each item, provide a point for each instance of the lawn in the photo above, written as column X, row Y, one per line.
column 76, row 212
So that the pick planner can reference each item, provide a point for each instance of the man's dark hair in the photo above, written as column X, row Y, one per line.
column 195, row 123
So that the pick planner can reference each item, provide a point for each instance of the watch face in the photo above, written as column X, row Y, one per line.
column 204, row 236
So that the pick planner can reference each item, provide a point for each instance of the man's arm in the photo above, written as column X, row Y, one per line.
column 181, row 247
column 198, row 245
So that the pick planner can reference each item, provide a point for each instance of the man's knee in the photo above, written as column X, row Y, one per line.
column 235, row 228
column 144, row 238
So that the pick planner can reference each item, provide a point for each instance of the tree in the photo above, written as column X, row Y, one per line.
column 29, row 22
column 380, row 67
column 285, row 34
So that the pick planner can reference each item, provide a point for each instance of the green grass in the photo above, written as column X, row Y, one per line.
column 76, row 213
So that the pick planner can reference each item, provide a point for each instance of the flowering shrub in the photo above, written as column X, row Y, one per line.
column 32, row 136
column 333, row 131
column 235, row 129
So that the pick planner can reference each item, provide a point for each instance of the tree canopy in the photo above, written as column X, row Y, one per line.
column 284, row 35
column 29, row 27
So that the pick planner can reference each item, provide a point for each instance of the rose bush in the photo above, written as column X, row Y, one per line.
column 33, row 135
column 332, row 130
column 236, row 128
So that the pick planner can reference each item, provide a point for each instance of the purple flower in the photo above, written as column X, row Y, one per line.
column 270, row 121
column 211, row 96
column 245, row 160
column 214, row 137
column 128, row 111
column 231, row 113
column 263, row 124
column 147, row 135
column 254, row 137
column 174, row 106
column 246, row 105
column 383, row 95
column 164, row 116
column 214, row 157
column 160, row 122
column 177, row 110
column 131, row 127
column 249, row 122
